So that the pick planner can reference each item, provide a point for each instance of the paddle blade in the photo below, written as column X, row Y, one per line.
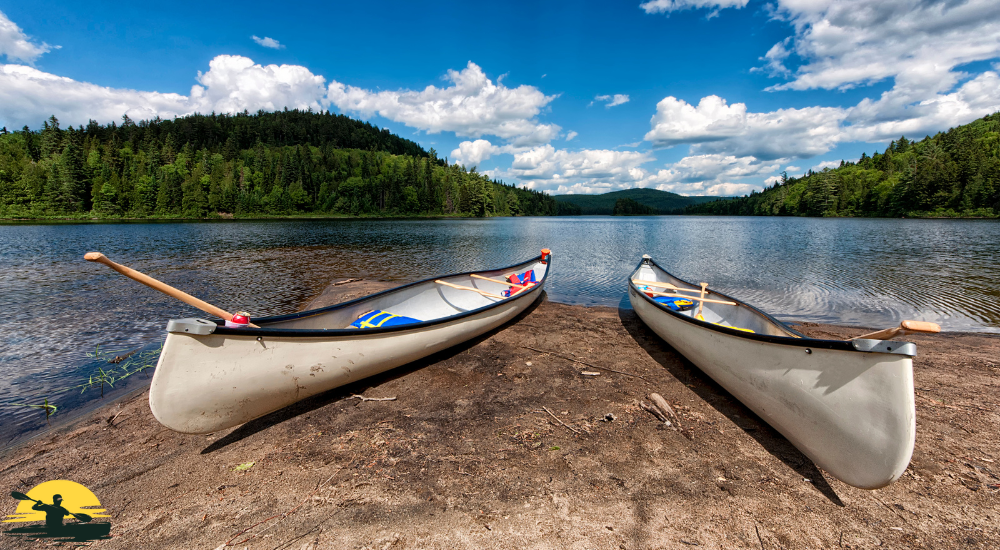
column 920, row 326
column 20, row 496
column 83, row 517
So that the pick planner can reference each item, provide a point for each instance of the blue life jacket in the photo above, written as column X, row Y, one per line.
column 675, row 303
column 378, row 318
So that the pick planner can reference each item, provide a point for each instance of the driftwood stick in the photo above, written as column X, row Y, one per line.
column 363, row 398
column 584, row 363
column 568, row 427
column 664, row 407
column 653, row 411
column 345, row 281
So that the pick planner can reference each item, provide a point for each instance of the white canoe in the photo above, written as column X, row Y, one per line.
column 210, row 377
column 846, row 404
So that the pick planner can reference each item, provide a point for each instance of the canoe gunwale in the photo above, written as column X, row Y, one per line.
column 903, row 348
column 319, row 333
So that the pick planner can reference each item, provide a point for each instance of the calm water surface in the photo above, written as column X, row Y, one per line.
column 58, row 307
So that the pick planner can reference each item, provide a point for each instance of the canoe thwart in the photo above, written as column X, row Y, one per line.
column 666, row 285
column 469, row 288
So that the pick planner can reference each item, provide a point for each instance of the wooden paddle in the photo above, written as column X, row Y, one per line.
column 161, row 286
column 694, row 298
column 666, row 285
column 483, row 292
column 903, row 328
column 498, row 281
column 21, row 496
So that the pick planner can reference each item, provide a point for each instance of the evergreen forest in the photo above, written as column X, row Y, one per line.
column 243, row 165
column 629, row 207
column 953, row 174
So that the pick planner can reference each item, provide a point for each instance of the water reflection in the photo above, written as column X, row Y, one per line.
column 865, row 272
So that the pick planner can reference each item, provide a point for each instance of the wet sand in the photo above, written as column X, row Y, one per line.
column 467, row 456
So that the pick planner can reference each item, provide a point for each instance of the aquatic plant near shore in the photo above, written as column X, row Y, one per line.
column 49, row 408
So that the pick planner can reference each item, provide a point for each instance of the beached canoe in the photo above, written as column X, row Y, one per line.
column 846, row 404
column 210, row 377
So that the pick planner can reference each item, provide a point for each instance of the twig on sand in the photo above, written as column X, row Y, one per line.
column 111, row 421
column 363, row 398
column 279, row 517
column 584, row 363
column 947, row 406
column 568, row 427
column 345, row 281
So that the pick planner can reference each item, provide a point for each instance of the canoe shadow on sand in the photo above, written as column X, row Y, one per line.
column 721, row 400
column 357, row 388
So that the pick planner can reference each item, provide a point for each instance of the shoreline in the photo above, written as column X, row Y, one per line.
column 233, row 217
column 465, row 456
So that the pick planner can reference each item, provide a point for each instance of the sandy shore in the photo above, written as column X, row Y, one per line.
column 466, row 456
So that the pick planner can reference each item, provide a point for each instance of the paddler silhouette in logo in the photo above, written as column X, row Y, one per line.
column 78, row 498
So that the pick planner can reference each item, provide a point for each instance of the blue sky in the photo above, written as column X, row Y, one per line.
column 690, row 96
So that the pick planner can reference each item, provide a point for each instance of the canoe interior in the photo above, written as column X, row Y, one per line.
column 426, row 300
column 741, row 316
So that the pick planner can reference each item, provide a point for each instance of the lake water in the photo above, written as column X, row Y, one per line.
column 870, row 272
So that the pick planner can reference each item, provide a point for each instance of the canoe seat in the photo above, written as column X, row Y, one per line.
column 700, row 318
column 379, row 318
column 526, row 279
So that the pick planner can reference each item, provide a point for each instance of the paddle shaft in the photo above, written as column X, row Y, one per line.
column 703, row 300
column 498, row 281
column 161, row 286
column 901, row 330
column 21, row 496
column 483, row 292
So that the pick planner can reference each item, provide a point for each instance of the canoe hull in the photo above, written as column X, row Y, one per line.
column 205, row 382
column 851, row 412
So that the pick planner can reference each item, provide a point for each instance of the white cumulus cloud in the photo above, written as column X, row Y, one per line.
column 571, row 135
column 667, row 6
column 919, row 43
column 611, row 100
column 472, row 106
column 232, row 84
column 715, row 127
column 268, row 42
column 711, row 174
column 677, row 122
column 17, row 45
column 547, row 168
column 472, row 153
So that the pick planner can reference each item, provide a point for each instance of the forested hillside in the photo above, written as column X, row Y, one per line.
column 280, row 163
column 661, row 202
column 953, row 174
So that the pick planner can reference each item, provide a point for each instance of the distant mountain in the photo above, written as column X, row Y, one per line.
column 662, row 201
